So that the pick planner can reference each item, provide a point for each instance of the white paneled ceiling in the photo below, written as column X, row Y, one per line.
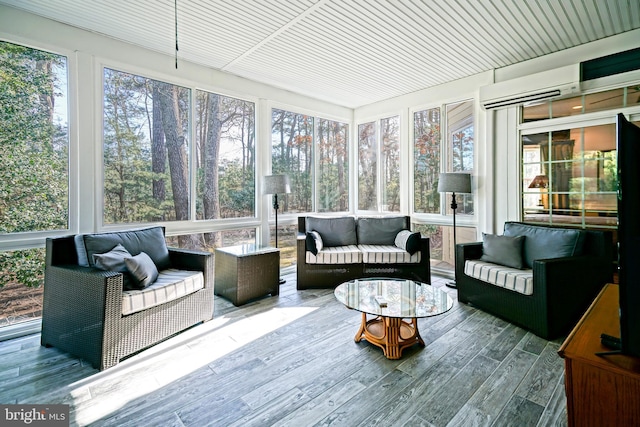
column 349, row 52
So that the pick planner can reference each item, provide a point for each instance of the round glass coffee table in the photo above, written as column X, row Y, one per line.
column 391, row 301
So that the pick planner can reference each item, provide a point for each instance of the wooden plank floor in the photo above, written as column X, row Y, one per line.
column 291, row 360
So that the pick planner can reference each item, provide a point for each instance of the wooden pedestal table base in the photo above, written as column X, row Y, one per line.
column 391, row 334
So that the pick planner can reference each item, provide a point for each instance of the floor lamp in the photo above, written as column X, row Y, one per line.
column 454, row 183
column 277, row 184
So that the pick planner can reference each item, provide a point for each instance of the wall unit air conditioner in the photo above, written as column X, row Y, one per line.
column 542, row 86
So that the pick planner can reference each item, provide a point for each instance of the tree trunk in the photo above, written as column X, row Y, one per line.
column 176, row 154
column 211, row 196
column 158, row 149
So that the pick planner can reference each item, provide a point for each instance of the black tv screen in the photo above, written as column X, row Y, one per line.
column 628, row 146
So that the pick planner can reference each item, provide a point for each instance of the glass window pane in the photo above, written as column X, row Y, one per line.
column 367, row 166
column 461, row 137
column 633, row 95
column 201, row 241
column 607, row 100
column 225, row 165
column 287, row 241
column 426, row 158
column 390, row 157
column 146, row 125
column 292, row 154
column 21, row 280
column 333, row 166
column 441, row 242
column 569, row 176
column 34, row 140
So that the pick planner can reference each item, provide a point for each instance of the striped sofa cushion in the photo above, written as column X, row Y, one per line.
column 171, row 284
column 505, row 277
column 349, row 254
column 387, row 254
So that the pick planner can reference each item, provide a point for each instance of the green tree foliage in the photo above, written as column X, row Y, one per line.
column 390, row 156
column 33, row 154
column 333, row 169
column 367, row 166
column 33, row 149
column 129, row 175
column 147, row 154
column 292, row 154
column 426, row 157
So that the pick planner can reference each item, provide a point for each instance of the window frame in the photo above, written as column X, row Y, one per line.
column 35, row 239
column 578, row 121
column 173, row 228
column 285, row 218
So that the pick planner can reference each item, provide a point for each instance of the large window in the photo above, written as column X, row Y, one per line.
column 367, row 167
column 426, row 160
column 460, row 143
column 379, row 140
column 225, row 160
column 34, row 174
column 442, row 143
column 315, row 158
column 390, row 158
column 292, row 154
column 148, row 156
column 569, row 171
column 146, row 146
column 569, row 176
column 333, row 166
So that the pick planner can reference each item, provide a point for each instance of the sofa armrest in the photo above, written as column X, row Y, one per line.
column 465, row 251
column 86, row 288
column 79, row 304
column 568, row 285
column 186, row 259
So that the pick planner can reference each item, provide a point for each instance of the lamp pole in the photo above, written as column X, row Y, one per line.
column 276, row 207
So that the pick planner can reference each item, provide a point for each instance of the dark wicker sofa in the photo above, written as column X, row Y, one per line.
column 310, row 275
column 563, row 287
column 83, row 306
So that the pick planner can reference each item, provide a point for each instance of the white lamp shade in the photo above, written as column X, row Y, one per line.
column 277, row 184
column 454, row 183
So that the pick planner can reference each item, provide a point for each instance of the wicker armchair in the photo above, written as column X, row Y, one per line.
column 563, row 287
column 82, row 308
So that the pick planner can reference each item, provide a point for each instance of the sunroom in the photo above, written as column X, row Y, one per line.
column 128, row 114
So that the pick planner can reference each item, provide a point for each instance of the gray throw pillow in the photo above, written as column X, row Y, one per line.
column 114, row 261
column 503, row 250
column 142, row 269
column 314, row 242
column 408, row 241
column 380, row 230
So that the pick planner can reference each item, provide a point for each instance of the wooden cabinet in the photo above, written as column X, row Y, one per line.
column 601, row 390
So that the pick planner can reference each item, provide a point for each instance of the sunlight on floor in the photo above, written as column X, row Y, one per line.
column 178, row 357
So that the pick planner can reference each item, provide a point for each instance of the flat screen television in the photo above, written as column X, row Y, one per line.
column 628, row 146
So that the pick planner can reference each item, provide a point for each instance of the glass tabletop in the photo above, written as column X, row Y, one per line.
column 404, row 298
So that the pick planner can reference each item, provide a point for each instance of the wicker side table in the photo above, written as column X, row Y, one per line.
column 246, row 272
